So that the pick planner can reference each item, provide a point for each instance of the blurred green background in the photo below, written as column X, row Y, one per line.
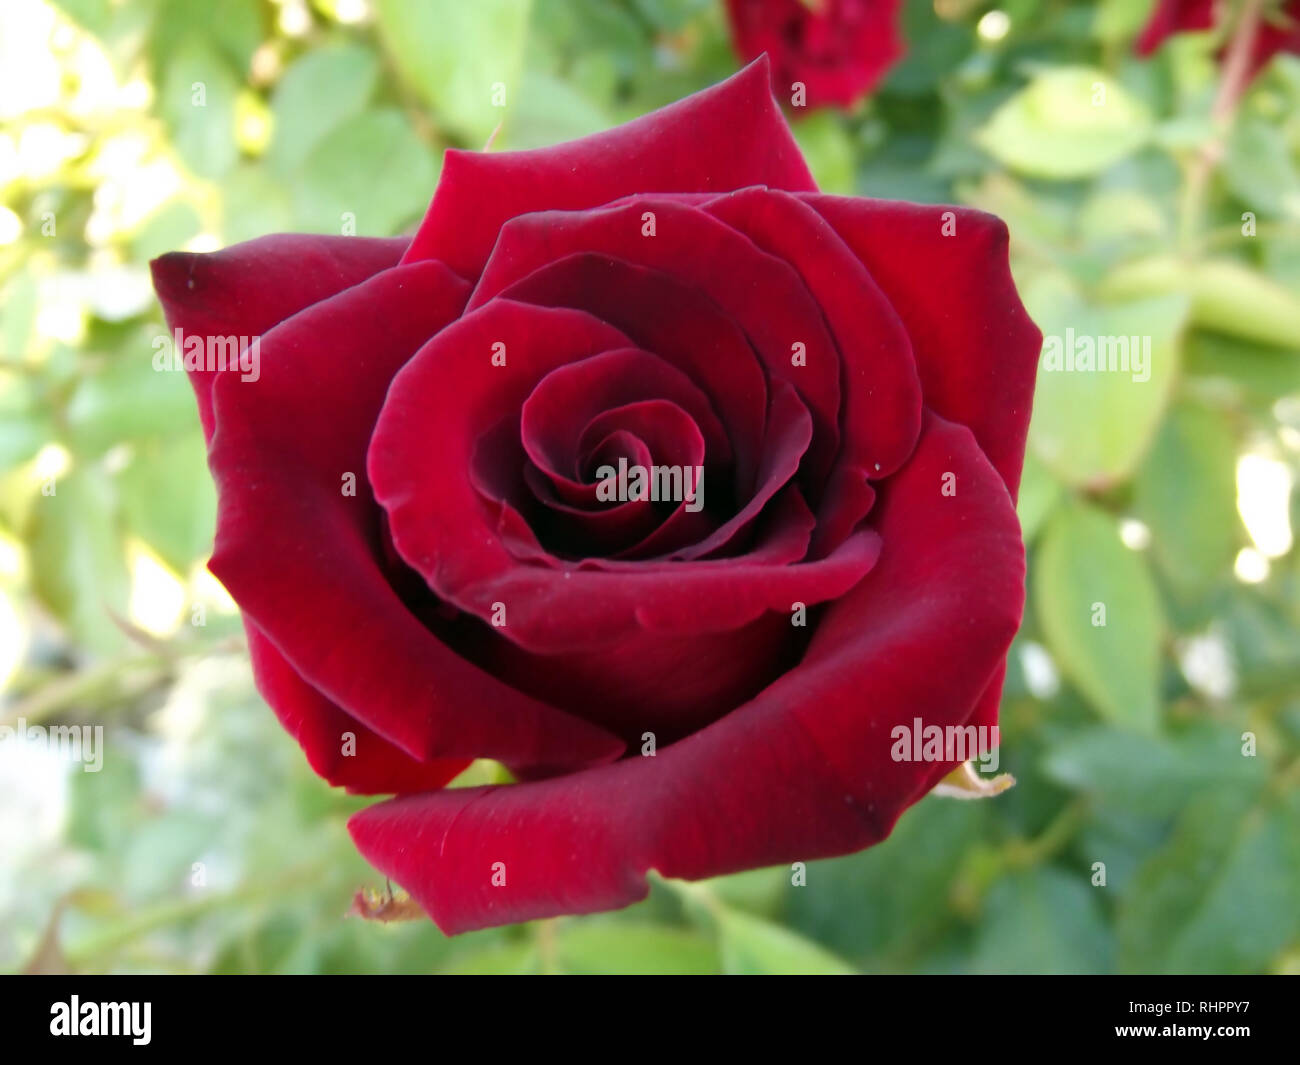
column 205, row 844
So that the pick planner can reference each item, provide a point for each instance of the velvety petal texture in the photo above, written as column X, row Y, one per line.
column 722, row 138
column 802, row 771
column 245, row 290
column 644, row 469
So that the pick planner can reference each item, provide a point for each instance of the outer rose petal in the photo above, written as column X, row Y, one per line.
column 802, row 771
column 303, row 560
column 975, row 347
column 244, row 290
column 722, row 138
column 375, row 767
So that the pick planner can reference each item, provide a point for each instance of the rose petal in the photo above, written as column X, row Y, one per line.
column 303, row 559
column 446, row 531
column 975, row 347
column 373, row 766
column 837, row 49
column 724, row 137
column 568, row 398
column 246, row 289
column 803, row 771
column 1174, row 16
column 760, row 292
column 697, row 337
column 880, row 417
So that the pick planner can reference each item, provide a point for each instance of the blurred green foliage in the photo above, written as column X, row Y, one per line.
column 206, row 844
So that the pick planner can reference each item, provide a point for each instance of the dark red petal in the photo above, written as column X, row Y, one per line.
column 303, row 559
column 697, row 337
column 760, row 292
column 645, row 433
column 838, row 49
column 443, row 528
column 1272, row 37
column 975, row 347
column 1174, row 16
column 725, row 137
column 803, row 771
column 568, row 398
column 246, row 289
column 880, row 417
column 373, row 766
column 789, row 431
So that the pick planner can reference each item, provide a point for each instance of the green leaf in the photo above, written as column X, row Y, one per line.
column 1083, row 576
column 508, row 959
column 253, row 204
column 318, row 92
column 127, row 399
column 1092, row 426
column 165, row 230
column 1044, row 922
column 1053, row 128
column 1234, row 299
column 1157, row 776
column 1039, row 493
column 1118, row 20
column 760, row 891
column 456, row 54
column 169, row 499
column 1223, row 896
column 882, row 906
column 1227, row 296
column 550, row 111
column 374, row 167
column 1186, row 493
column 198, row 103
column 19, row 306
column 615, row 947
column 78, row 563
column 1259, row 169
column 754, row 947
column 233, row 27
column 828, row 151
column 1262, row 373
column 24, row 426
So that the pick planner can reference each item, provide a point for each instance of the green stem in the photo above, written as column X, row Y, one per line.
column 1022, row 854
column 178, row 911
column 1232, row 83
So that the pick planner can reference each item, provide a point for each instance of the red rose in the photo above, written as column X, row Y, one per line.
column 837, row 50
column 674, row 290
column 1280, row 34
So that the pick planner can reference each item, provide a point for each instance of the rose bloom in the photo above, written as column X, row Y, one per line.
column 838, row 50
column 1279, row 32
column 409, row 516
